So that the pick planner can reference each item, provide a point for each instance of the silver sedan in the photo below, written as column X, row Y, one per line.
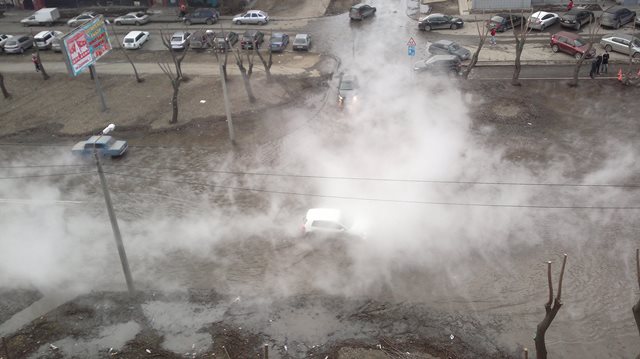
column 623, row 43
column 541, row 20
column 132, row 18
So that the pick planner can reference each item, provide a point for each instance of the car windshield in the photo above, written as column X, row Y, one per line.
column 497, row 19
column 11, row 43
column 346, row 85
column 447, row 17
column 578, row 42
column 129, row 40
column 176, row 38
column 276, row 38
column 636, row 43
column 454, row 47
column 300, row 40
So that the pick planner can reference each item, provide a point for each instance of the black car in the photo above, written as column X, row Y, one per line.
column 278, row 42
column 251, row 37
column 201, row 40
column 576, row 18
column 202, row 16
column 617, row 16
column 439, row 64
column 225, row 41
column 504, row 22
column 446, row 47
column 361, row 11
column 440, row 21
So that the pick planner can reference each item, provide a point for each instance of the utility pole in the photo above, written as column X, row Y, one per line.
column 94, row 75
column 227, row 106
column 112, row 216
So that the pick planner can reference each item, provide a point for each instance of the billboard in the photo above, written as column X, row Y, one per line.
column 83, row 46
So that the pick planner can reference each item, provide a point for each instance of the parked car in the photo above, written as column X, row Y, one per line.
column 251, row 37
column 577, row 18
column 45, row 16
column 623, row 43
column 225, row 41
column 82, row 19
column 202, row 16
column 3, row 40
column 56, row 44
column 201, row 39
column 180, row 40
column 278, row 42
column 347, row 89
column 617, row 16
column 18, row 44
column 251, row 17
column 104, row 145
column 44, row 39
column 331, row 222
column 440, row 21
column 504, row 22
column 439, row 64
column 541, row 20
column 302, row 42
column 572, row 44
column 361, row 11
column 135, row 39
column 132, row 18
column 446, row 47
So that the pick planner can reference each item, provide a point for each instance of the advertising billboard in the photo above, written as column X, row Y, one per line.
column 83, row 46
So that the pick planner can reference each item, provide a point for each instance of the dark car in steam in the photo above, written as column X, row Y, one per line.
column 104, row 145
column 347, row 89
column 224, row 41
column 504, row 22
column 278, row 42
column 446, row 47
column 440, row 21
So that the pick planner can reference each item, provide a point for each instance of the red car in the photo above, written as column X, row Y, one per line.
column 572, row 44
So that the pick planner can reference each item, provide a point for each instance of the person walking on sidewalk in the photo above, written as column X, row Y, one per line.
column 605, row 62
column 492, row 40
column 598, row 64
column 594, row 68
column 36, row 62
column 570, row 5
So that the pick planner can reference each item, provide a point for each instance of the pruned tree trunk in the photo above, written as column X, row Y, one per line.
column 5, row 93
column 45, row 76
column 482, row 35
column 593, row 31
column 515, row 81
column 126, row 54
column 224, row 64
column 636, row 308
column 174, row 99
column 551, row 309
column 245, row 77
column 267, row 64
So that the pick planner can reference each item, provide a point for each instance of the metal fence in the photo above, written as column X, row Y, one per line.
column 525, row 4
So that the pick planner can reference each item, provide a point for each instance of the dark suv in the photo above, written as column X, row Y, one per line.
column 617, row 16
column 439, row 64
column 202, row 16
column 576, row 18
column 361, row 11
column 251, row 37
column 572, row 44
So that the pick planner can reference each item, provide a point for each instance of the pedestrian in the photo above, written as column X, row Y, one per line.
column 594, row 68
column 36, row 61
column 605, row 62
column 183, row 10
column 570, row 5
column 598, row 63
column 492, row 40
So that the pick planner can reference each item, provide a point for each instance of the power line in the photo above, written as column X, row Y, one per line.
column 42, row 166
column 47, row 175
column 459, row 204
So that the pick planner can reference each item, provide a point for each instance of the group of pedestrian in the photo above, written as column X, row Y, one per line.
column 599, row 65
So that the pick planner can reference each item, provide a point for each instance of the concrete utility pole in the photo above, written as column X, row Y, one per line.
column 94, row 75
column 227, row 106
column 112, row 216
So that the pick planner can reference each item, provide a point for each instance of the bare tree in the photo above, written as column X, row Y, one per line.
column 126, row 55
column 551, row 308
column 636, row 308
column 175, row 75
column 177, row 59
column 482, row 35
column 246, row 73
column 266, row 64
column 45, row 76
column 5, row 93
column 593, row 31
column 521, row 38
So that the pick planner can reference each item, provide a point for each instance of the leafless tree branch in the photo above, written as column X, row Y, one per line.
column 550, row 311
column 245, row 77
column 5, row 93
column 521, row 39
column 594, row 28
column 43, row 72
column 482, row 36
column 126, row 55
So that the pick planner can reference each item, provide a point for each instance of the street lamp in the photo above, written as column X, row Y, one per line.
column 112, row 214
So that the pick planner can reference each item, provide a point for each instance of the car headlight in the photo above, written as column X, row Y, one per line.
column 355, row 98
column 340, row 98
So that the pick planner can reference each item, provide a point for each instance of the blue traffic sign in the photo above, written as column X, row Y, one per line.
column 412, row 50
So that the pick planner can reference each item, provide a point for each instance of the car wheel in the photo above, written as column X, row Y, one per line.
column 238, row 22
column 636, row 55
column 188, row 22
column 138, row 23
column 262, row 23
column 427, row 28
column 608, row 48
column 118, row 23
column 555, row 48
column 578, row 26
column 578, row 56
column 22, row 50
column 542, row 28
column 617, row 25
column 209, row 22
column 454, row 26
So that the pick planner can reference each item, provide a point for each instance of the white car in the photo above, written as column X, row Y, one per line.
column 541, row 20
column 180, row 40
column 44, row 39
column 302, row 42
column 3, row 39
column 252, row 17
column 135, row 39
column 331, row 221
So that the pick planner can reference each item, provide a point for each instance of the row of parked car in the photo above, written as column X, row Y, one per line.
column 18, row 44
column 576, row 18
